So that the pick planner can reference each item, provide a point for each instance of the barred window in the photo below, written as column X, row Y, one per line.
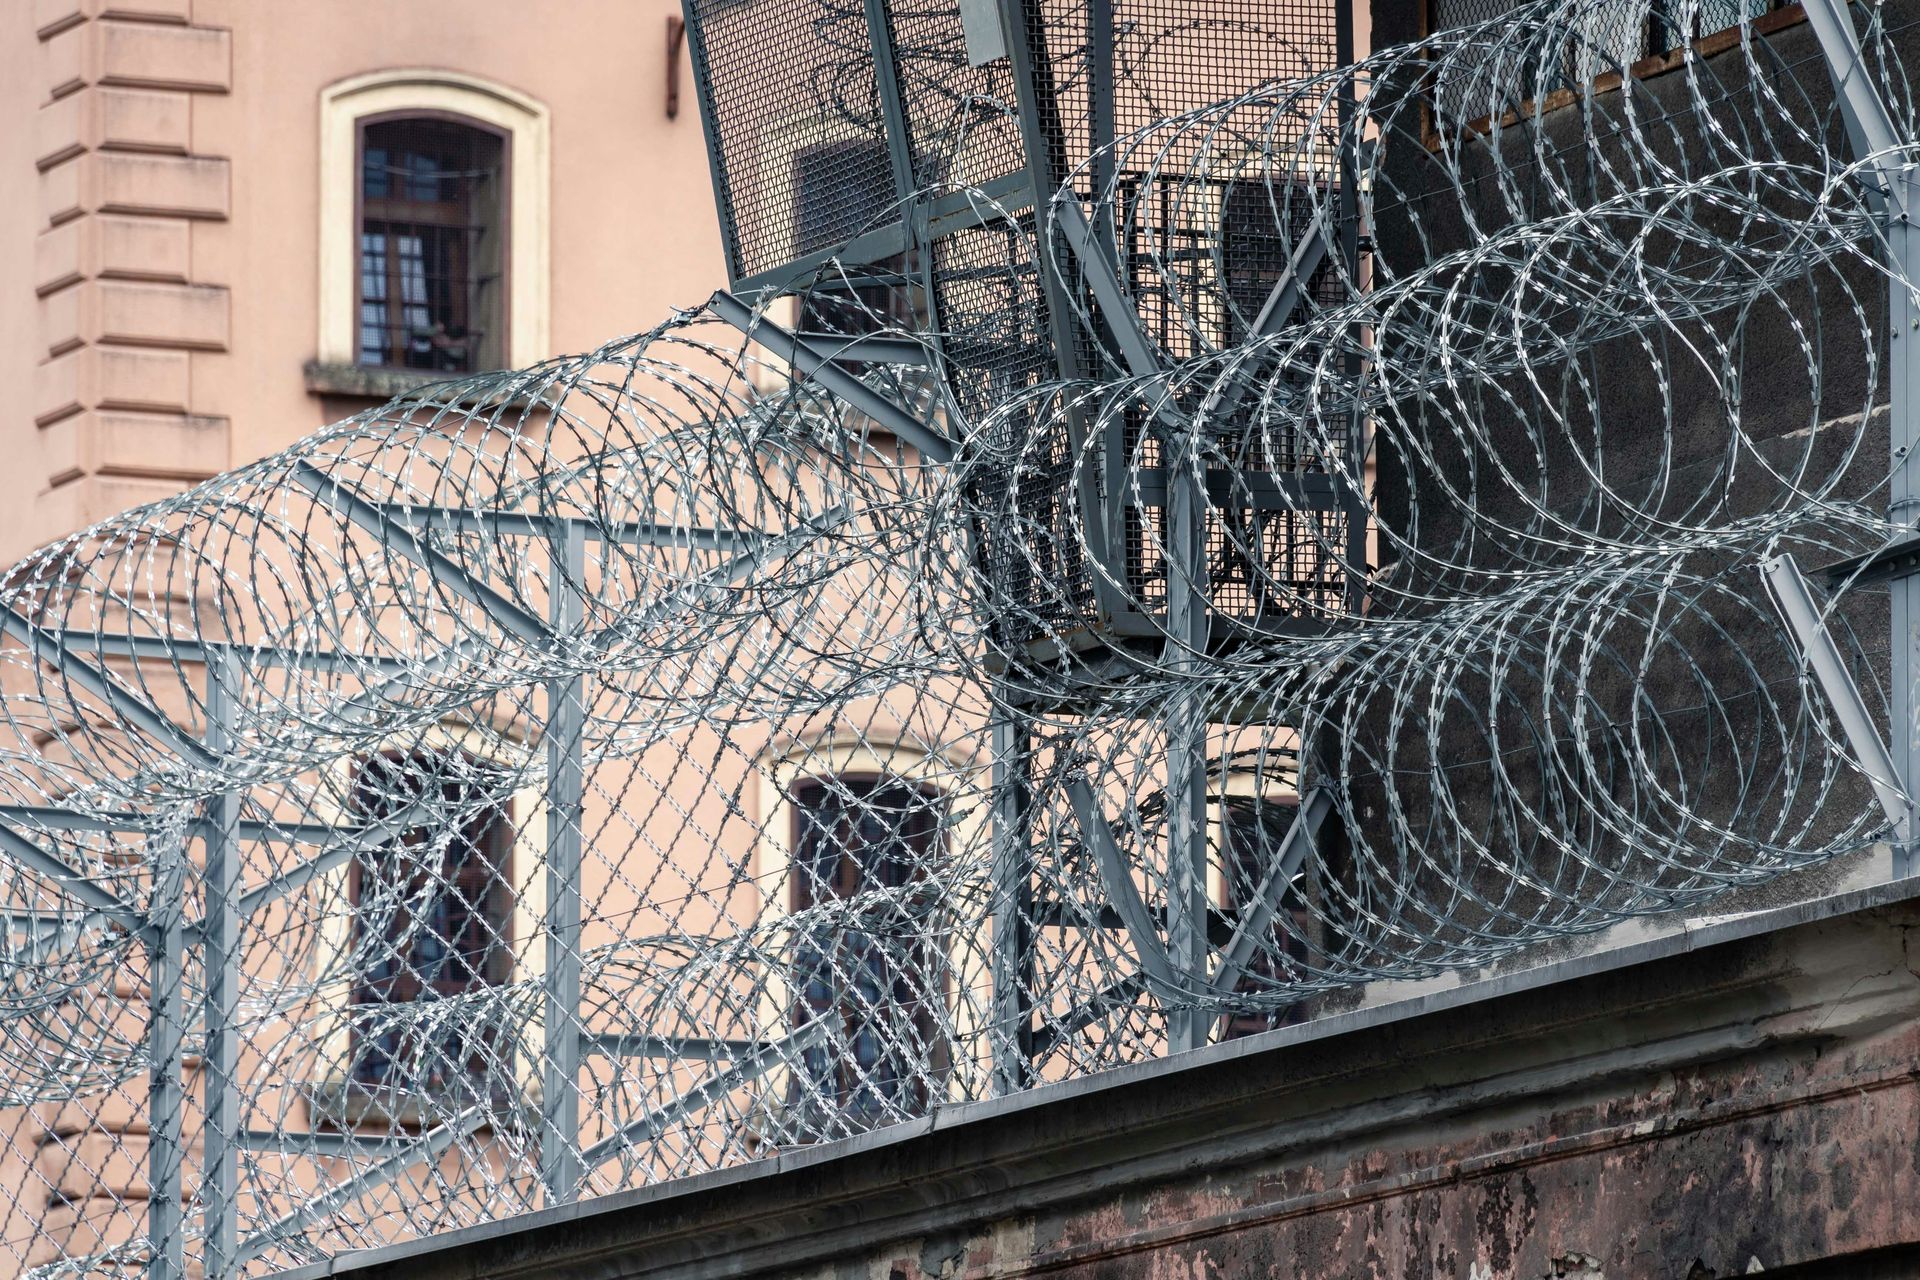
column 877, row 978
column 432, row 245
column 1252, row 830
column 432, row 920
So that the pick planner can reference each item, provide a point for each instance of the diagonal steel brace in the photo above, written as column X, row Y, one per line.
column 1796, row 603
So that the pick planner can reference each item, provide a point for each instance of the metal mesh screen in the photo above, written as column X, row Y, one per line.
column 799, row 144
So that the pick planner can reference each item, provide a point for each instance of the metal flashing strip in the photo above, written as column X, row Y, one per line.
column 708, row 1091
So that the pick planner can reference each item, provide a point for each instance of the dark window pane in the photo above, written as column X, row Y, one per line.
column 877, row 979
column 430, row 195
column 433, row 909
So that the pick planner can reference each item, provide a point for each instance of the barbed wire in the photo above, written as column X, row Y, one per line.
column 575, row 778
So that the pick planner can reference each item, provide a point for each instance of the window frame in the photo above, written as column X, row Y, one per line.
column 959, row 775
column 504, row 839
column 929, row 1026
column 333, row 1096
column 500, row 340
column 525, row 296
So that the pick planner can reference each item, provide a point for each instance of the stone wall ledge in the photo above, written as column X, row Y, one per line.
column 1616, row 1083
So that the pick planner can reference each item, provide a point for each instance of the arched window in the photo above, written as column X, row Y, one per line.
column 434, row 239
column 876, row 976
column 433, row 244
column 432, row 920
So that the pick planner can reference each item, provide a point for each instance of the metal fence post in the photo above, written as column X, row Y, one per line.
column 166, row 1048
column 1903, row 496
column 560, row 1166
column 1188, row 632
column 1877, row 136
column 1012, row 901
column 220, row 937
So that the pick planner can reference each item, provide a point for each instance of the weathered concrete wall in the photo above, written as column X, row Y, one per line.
column 1700, row 1106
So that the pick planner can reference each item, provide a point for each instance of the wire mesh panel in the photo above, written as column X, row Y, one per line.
column 793, row 124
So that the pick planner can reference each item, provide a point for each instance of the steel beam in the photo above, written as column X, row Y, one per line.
column 1189, row 627
column 820, row 367
column 82, row 888
column 1116, row 308
column 1875, row 137
column 445, row 571
column 1012, row 903
column 332, row 1146
column 1285, row 295
column 1118, row 994
column 641, row 1044
column 893, row 112
column 560, row 1168
column 706, row 1093
column 868, row 348
column 1275, row 312
column 166, row 1056
column 1117, row 877
column 129, row 706
column 722, row 575
column 351, row 840
column 220, row 949
column 166, row 649
column 1829, row 669
column 1869, row 123
column 329, row 1202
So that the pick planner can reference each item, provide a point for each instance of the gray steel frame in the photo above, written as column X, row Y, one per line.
column 1893, row 185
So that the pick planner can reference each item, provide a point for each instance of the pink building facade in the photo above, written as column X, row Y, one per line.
column 178, row 266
